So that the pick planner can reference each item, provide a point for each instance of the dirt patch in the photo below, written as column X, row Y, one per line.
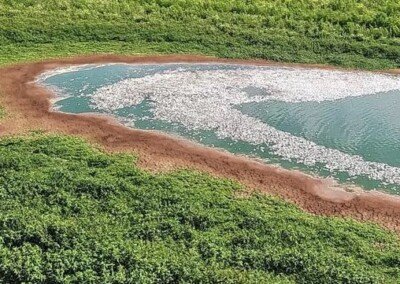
column 28, row 107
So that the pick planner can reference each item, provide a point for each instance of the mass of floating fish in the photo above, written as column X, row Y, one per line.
column 206, row 100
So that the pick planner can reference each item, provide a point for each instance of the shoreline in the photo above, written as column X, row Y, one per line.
column 29, row 107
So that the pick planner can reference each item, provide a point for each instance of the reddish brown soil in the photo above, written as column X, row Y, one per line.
column 28, row 107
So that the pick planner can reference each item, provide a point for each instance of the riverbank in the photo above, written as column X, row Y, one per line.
column 28, row 107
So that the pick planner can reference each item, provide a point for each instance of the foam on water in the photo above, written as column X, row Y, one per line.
column 208, row 99
column 69, row 69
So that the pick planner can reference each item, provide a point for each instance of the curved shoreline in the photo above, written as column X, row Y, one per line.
column 29, row 107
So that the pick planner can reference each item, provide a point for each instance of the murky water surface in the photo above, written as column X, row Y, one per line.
column 339, row 124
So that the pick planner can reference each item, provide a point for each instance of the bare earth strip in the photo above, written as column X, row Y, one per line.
column 28, row 107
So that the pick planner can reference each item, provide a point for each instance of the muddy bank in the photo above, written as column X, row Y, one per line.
column 28, row 107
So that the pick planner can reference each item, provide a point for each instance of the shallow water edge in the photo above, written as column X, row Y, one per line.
column 185, row 95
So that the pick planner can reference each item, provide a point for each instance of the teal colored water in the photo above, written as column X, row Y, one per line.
column 366, row 126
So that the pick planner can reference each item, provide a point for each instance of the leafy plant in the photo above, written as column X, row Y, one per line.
column 71, row 213
column 361, row 34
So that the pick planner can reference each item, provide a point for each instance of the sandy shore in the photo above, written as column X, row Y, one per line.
column 28, row 107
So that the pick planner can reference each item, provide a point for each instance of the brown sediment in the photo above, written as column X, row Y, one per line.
column 28, row 107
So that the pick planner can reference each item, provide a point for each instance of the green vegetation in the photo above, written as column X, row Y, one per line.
column 70, row 213
column 2, row 112
column 362, row 33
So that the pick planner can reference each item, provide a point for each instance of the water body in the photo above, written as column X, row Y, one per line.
column 337, row 124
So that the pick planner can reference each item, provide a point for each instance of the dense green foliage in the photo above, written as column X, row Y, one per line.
column 358, row 33
column 70, row 213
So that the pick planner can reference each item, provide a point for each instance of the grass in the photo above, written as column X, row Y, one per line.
column 2, row 112
column 71, row 213
column 362, row 34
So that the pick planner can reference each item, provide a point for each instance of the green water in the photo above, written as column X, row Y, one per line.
column 367, row 126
